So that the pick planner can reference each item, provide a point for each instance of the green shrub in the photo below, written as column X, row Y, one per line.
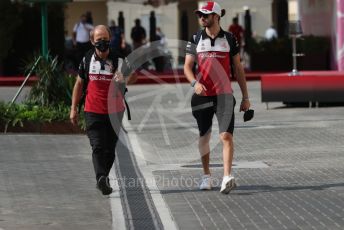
column 276, row 55
column 18, row 114
column 27, row 112
column 54, row 84
column 283, row 46
column 49, row 99
column 314, row 44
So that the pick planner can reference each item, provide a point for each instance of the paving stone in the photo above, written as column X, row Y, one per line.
column 302, row 186
column 301, row 189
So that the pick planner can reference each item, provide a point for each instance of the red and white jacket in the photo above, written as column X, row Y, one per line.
column 102, row 97
column 214, row 62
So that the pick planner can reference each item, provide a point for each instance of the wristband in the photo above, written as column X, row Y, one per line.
column 245, row 99
column 193, row 83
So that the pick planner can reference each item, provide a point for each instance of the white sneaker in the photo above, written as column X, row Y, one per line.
column 228, row 183
column 206, row 183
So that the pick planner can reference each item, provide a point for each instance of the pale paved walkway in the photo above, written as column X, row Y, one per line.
column 289, row 164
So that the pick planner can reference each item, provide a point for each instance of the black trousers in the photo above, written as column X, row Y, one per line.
column 103, row 131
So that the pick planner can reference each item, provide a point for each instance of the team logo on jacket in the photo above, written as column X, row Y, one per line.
column 211, row 55
column 202, row 46
column 94, row 70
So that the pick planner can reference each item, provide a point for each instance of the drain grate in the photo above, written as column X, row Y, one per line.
column 139, row 209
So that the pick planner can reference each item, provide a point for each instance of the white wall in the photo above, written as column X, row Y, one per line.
column 260, row 10
column 168, row 16
column 293, row 10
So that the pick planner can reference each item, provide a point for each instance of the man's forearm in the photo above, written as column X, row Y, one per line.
column 132, row 78
column 77, row 91
column 188, row 68
column 189, row 74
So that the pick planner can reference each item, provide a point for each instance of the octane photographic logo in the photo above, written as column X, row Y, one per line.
column 162, row 120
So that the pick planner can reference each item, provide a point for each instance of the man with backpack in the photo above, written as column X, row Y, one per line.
column 217, row 54
column 101, row 80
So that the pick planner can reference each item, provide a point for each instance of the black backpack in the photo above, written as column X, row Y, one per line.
column 114, row 57
column 229, row 37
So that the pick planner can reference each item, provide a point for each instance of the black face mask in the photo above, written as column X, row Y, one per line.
column 102, row 45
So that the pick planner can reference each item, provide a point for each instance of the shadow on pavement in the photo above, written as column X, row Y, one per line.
column 253, row 189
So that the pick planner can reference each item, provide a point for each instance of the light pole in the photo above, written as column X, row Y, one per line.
column 44, row 25
column 44, row 22
column 295, row 31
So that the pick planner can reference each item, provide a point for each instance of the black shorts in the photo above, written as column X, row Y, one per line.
column 204, row 108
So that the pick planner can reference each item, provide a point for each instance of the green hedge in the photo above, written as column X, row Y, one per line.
column 18, row 114
column 306, row 44
column 49, row 100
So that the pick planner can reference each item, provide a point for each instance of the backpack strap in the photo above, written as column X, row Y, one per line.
column 86, row 69
column 122, row 86
column 127, row 106
column 197, row 37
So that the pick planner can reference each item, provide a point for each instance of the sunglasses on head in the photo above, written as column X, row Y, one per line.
column 200, row 15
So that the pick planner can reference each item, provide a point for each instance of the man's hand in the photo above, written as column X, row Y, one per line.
column 132, row 78
column 245, row 105
column 74, row 116
column 118, row 77
column 200, row 88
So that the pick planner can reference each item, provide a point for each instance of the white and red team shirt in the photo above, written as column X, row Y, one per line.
column 102, row 96
column 214, row 62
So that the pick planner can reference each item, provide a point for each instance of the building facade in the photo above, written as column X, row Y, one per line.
column 177, row 20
